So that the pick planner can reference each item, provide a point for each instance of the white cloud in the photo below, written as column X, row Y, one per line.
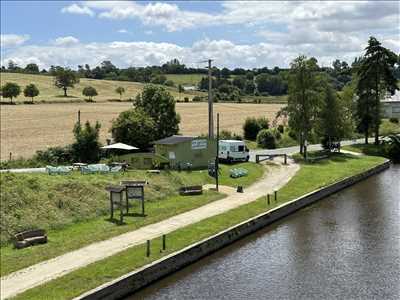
column 122, row 31
column 225, row 53
column 12, row 40
column 79, row 10
column 65, row 41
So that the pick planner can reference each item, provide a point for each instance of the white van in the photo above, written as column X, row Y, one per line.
column 233, row 150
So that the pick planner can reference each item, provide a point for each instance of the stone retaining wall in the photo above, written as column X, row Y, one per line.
column 139, row 278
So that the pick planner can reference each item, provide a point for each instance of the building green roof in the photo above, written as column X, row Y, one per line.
column 174, row 139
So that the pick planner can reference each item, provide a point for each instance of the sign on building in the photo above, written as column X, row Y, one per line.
column 199, row 144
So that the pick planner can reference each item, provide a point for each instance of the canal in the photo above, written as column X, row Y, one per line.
column 346, row 246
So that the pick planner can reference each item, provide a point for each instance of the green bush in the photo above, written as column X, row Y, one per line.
column 197, row 99
column 266, row 139
column 251, row 128
column 228, row 135
column 281, row 129
column 55, row 155
column 394, row 120
column 134, row 127
column 86, row 147
column 186, row 99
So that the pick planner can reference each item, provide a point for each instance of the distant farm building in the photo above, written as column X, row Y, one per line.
column 391, row 106
column 189, row 88
column 186, row 151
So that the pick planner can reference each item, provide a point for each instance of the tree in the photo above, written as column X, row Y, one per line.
column 32, row 68
column 10, row 90
column 239, row 82
column 90, row 92
column 376, row 78
column 65, row 78
column 120, row 90
column 266, row 138
column 249, row 87
column 134, row 127
column 180, row 89
column 225, row 73
column 304, row 97
column 331, row 121
column 31, row 91
column 159, row 104
column 86, row 147
column 271, row 84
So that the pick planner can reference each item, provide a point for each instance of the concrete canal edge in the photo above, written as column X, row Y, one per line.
column 133, row 281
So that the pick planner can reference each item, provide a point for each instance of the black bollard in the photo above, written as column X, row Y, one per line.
column 164, row 246
column 268, row 199
column 148, row 248
column 276, row 195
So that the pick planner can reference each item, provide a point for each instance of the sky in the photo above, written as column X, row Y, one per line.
column 232, row 33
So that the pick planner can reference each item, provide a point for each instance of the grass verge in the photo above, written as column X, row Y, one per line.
column 75, row 283
column 74, row 208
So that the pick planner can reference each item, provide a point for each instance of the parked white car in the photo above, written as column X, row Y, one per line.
column 233, row 150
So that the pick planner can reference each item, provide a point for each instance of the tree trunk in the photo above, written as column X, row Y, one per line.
column 377, row 106
column 366, row 136
column 301, row 144
column 65, row 92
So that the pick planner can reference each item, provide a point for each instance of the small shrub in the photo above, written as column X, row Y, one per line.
column 197, row 99
column 394, row 120
column 251, row 128
column 186, row 99
column 266, row 139
column 228, row 135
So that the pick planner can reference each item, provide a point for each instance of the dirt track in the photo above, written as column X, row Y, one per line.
column 27, row 128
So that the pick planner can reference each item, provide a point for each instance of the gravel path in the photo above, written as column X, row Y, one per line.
column 274, row 178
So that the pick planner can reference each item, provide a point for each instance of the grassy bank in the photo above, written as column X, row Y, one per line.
column 329, row 171
column 74, row 208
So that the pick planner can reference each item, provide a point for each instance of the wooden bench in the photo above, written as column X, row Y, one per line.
column 29, row 238
column 191, row 190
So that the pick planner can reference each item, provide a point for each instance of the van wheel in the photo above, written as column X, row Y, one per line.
column 247, row 158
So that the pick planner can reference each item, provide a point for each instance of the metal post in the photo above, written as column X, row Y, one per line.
column 285, row 159
column 79, row 117
column 276, row 195
column 148, row 248
column 142, row 200
column 112, row 206
column 210, row 103
column 268, row 199
column 164, row 246
column 10, row 155
column 121, row 208
column 216, row 159
column 127, row 201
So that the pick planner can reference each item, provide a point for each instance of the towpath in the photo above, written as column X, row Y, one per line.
column 274, row 178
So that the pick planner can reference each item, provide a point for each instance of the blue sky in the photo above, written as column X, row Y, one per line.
column 235, row 34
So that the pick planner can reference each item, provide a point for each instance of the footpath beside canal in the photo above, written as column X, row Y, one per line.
column 137, row 279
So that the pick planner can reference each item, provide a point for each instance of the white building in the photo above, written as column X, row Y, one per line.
column 391, row 106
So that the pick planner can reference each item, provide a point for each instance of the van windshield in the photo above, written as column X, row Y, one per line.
column 241, row 148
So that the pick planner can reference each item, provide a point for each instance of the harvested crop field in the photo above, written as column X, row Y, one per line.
column 27, row 128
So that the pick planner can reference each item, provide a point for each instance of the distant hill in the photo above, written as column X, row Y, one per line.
column 105, row 88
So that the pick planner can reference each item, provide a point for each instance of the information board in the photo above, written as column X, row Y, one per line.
column 199, row 144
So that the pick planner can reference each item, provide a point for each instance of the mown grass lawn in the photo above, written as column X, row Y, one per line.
column 307, row 179
column 74, row 209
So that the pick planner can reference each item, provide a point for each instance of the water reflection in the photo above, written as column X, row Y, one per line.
column 344, row 247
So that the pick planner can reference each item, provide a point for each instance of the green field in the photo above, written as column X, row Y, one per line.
column 186, row 79
column 105, row 88
column 75, row 283
column 77, row 206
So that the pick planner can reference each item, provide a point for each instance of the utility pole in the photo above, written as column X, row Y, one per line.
column 79, row 117
column 210, row 104
column 217, row 159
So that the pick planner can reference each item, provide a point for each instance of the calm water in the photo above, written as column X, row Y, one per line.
column 344, row 247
